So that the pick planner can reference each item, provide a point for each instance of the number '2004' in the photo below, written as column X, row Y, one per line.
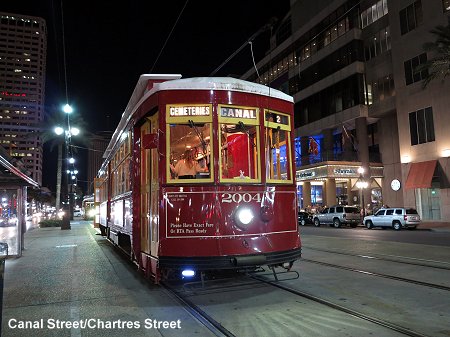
column 240, row 197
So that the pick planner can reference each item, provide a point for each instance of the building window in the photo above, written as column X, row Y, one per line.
column 380, row 89
column 411, row 17
column 411, row 74
column 377, row 43
column 421, row 126
column 373, row 13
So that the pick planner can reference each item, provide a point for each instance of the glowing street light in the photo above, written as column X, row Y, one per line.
column 67, row 109
column 68, row 132
column 362, row 185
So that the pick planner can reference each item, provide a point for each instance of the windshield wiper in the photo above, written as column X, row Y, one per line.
column 244, row 129
column 199, row 135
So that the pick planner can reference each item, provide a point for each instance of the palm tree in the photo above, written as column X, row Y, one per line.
column 48, row 135
column 439, row 65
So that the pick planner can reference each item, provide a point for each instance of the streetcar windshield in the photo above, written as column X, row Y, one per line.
column 239, row 144
column 239, row 156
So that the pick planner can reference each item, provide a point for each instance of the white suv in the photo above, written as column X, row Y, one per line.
column 395, row 217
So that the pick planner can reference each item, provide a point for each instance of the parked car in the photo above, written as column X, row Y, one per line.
column 338, row 215
column 8, row 221
column 394, row 217
column 305, row 218
column 77, row 212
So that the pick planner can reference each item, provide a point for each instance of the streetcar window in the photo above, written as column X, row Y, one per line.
column 189, row 148
column 188, row 143
column 277, row 142
column 239, row 144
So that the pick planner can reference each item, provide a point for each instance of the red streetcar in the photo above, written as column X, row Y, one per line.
column 233, row 208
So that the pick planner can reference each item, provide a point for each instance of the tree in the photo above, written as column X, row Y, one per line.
column 439, row 65
column 49, row 136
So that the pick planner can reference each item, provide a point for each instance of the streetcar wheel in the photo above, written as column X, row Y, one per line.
column 336, row 223
column 397, row 225
column 369, row 224
column 316, row 222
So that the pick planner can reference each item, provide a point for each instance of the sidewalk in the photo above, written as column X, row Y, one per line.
column 76, row 277
column 435, row 226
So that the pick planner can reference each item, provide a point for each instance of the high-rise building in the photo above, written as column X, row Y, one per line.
column 352, row 68
column 23, row 50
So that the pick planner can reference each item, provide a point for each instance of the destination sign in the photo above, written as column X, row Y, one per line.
column 195, row 110
column 230, row 112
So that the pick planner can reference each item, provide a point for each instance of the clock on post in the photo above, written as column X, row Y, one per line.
column 395, row 184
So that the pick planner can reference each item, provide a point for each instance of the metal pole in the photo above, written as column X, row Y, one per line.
column 3, row 248
column 363, row 204
column 66, row 217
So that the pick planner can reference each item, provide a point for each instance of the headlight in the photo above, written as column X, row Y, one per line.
column 244, row 216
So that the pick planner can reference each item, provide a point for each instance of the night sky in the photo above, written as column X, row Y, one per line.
column 109, row 44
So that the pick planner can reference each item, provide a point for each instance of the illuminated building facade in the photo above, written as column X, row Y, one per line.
column 351, row 67
column 23, row 49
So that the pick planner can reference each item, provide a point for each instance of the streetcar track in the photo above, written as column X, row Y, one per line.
column 203, row 318
column 210, row 323
column 365, row 256
column 380, row 322
column 392, row 277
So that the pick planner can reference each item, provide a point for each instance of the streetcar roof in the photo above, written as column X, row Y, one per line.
column 222, row 83
column 174, row 82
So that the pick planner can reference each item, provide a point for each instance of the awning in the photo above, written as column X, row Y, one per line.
column 420, row 174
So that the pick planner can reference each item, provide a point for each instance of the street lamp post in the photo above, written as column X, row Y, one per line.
column 68, row 133
column 362, row 184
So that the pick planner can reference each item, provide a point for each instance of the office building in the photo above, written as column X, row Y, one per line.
column 351, row 67
column 23, row 49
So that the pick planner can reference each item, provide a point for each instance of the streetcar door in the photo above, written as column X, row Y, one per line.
column 149, row 191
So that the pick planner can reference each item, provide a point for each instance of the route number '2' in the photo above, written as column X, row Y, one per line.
column 240, row 197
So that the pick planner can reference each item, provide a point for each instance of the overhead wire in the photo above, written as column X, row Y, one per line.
column 168, row 37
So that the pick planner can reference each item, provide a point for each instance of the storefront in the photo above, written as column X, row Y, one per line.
column 331, row 184
column 13, row 196
column 429, row 184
